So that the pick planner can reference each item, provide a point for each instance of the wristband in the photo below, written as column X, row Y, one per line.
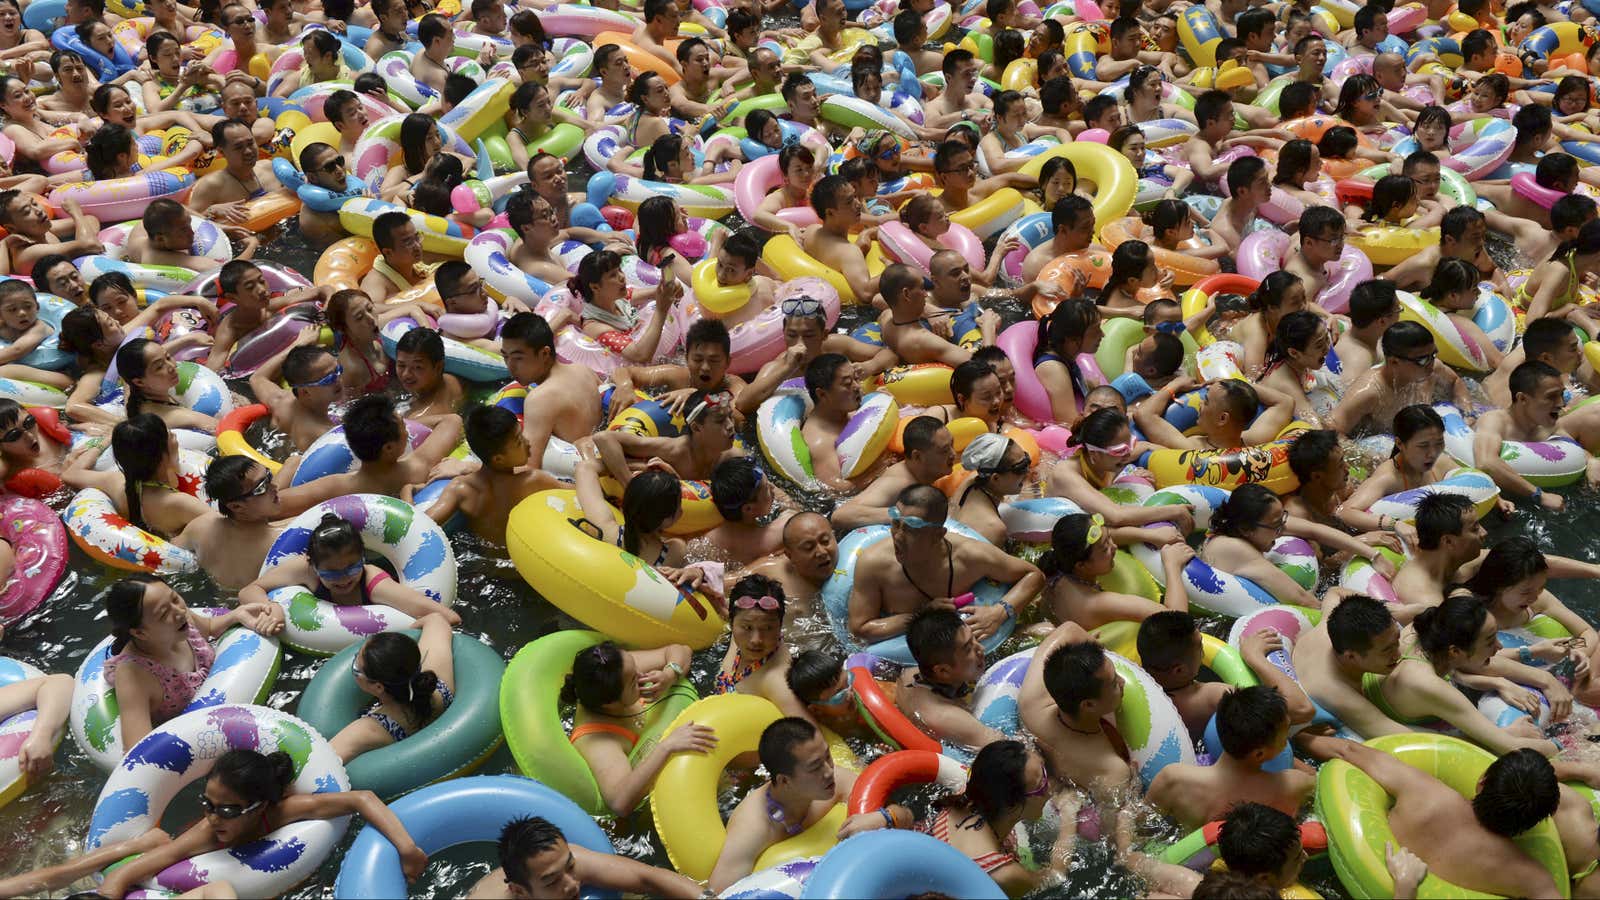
column 1525, row 656
column 676, row 669
column 888, row 818
column 1537, row 495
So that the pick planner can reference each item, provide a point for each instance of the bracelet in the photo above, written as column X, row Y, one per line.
column 675, row 668
column 1537, row 495
column 888, row 818
column 1525, row 656
column 1011, row 611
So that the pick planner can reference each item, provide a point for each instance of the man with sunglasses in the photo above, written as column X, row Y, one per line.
column 325, row 167
column 231, row 541
column 315, row 386
column 929, row 456
column 922, row 565
column 1410, row 373
column 955, row 167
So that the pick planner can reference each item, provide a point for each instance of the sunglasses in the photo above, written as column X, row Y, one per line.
column 768, row 603
column 262, row 486
column 326, row 380
column 1374, row 96
column 1020, row 467
column 915, row 523
column 333, row 165
column 349, row 571
column 1425, row 361
column 27, row 423
column 226, row 810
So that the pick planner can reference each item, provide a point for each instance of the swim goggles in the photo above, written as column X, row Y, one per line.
column 326, row 380
column 1121, row 449
column 768, row 603
column 915, row 523
column 349, row 571
column 1097, row 530
column 1172, row 328
column 804, row 306
column 708, row 402
column 839, row 697
column 226, row 810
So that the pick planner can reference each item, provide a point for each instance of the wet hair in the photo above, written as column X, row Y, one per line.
column 954, row 60
column 139, row 445
column 1533, row 124
column 744, row 245
column 1273, row 289
column 1453, row 274
column 110, row 142
column 1167, row 215
column 297, row 364
column 385, row 226
column 1242, row 511
column 109, row 281
column 1294, row 160
column 1355, row 87
column 827, row 193
column 919, row 433
column 1477, row 42
column 1412, row 420
column 1258, row 840
column 80, row 330
column 1249, row 718
column 1337, row 142
column 100, row 100
column 928, row 501
column 1517, row 791
column 666, row 149
column 1244, row 170
column 224, row 477
column 656, row 219
column 426, row 342
column 339, row 104
column 1098, row 106
column 1452, row 625
column 369, row 425
column 591, row 269
column 1222, row 884
column 931, row 635
column 649, row 501
column 1310, row 451
column 488, row 428
column 996, row 783
column 822, row 372
column 525, row 22
column 756, row 586
column 792, row 85
column 1358, row 621
column 1455, row 223
column 522, row 839
column 1055, row 92
column 1545, row 335
column 907, row 24
column 1392, row 192
column 779, row 741
column 734, row 482
column 791, row 154
column 813, row 672
column 1570, row 211
column 1069, row 210
column 394, row 660
column 1587, row 242
column 1253, row 21
column 1513, row 560
column 1296, row 331
column 1070, row 320
column 1242, row 401
column 1163, row 638
column 333, row 535
column 255, row 776
column 159, row 39
column 414, row 130
column 47, row 264
column 1072, row 675
column 596, row 678
column 124, row 605
column 1404, row 339
column 1210, row 106
column 1438, row 516
column 1524, row 380
column 1298, row 99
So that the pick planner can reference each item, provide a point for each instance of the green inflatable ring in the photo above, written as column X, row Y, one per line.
column 530, row 713
column 1451, row 184
column 1120, row 334
column 454, row 744
column 744, row 107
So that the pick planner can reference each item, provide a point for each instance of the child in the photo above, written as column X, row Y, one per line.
column 241, row 283
column 1171, row 222
column 336, row 570
column 736, row 263
column 819, row 680
column 486, row 494
column 378, row 439
column 21, row 329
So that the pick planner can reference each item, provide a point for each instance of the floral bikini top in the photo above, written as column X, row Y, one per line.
column 177, row 688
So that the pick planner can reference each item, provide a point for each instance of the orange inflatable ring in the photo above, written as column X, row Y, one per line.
column 264, row 212
column 898, row 769
column 886, row 719
column 1312, row 128
column 638, row 57
column 1186, row 270
column 1094, row 264
column 346, row 262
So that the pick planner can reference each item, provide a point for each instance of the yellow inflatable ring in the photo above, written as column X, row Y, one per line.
column 717, row 298
column 923, row 384
column 1264, row 464
column 994, row 213
column 791, row 261
column 684, row 801
column 699, row 512
column 600, row 584
column 1391, row 245
column 1114, row 177
column 1355, row 811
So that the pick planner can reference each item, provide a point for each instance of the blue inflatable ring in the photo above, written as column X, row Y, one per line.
column 881, row 864
column 458, row 812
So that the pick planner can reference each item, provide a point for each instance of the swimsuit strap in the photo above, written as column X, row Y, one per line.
column 950, row 578
column 587, row 728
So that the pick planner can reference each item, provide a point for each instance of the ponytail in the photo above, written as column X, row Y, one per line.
column 394, row 661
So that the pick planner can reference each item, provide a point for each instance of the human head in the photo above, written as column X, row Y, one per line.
column 796, row 757
column 1169, row 648
column 818, row 677
column 1364, row 635
column 1261, row 842
column 1253, row 514
column 1213, row 112
column 373, row 429
column 241, row 790
column 397, row 238
column 57, row 275
column 834, row 199
column 1409, row 348
column 831, row 382
column 755, row 615
column 536, row 859
column 809, row 545
column 1082, row 680
column 1007, row 777
column 1552, row 342
column 1253, row 723
column 419, row 360
column 1536, row 393
column 390, row 665
column 242, row 488
column 1518, row 791
column 943, row 647
column 929, row 450
column 1457, row 632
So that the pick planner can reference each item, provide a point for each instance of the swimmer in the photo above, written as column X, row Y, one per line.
column 231, row 541
column 537, row 861
column 936, row 693
column 929, row 456
column 805, row 562
column 305, row 409
column 487, row 493
column 744, row 495
column 563, row 399
column 1410, row 373
column 1000, row 468
column 379, row 441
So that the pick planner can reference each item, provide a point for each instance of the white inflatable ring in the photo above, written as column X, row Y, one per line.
column 412, row 543
column 183, row 751
column 862, row 441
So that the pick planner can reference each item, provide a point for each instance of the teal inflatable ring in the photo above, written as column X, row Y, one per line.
column 454, row 744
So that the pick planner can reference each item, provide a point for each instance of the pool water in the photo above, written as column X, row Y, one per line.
column 48, row 823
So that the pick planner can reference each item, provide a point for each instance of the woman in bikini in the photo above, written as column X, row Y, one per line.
column 615, row 691
column 411, row 681
column 1000, row 468
column 162, row 651
column 420, row 141
column 757, row 661
column 1011, row 131
column 1008, row 785
column 356, row 323
column 1083, row 549
column 152, row 378
column 1554, row 283
column 1072, row 328
column 147, row 485
column 1298, row 352
column 32, row 129
column 20, row 46
column 1099, row 449
column 651, row 117
column 336, row 570
column 1418, row 461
